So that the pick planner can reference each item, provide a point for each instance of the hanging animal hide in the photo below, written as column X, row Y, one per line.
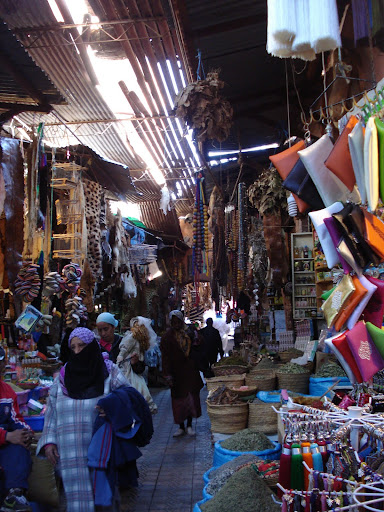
column 13, row 174
column 87, row 282
column 92, row 195
column 276, row 249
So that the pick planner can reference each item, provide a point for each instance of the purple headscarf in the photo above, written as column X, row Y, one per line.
column 83, row 333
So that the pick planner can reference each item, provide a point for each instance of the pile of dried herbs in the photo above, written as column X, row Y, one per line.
column 233, row 464
column 330, row 370
column 248, row 440
column 292, row 368
column 295, row 352
column 244, row 491
column 267, row 193
column 204, row 110
column 265, row 363
column 231, row 361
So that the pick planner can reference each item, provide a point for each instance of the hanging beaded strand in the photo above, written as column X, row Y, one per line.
column 200, row 235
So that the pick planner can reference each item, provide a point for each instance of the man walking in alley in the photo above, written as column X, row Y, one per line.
column 212, row 343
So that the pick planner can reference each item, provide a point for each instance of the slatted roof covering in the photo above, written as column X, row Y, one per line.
column 147, row 37
column 22, row 84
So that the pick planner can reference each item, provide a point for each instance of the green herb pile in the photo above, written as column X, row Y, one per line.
column 231, row 361
column 330, row 370
column 292, row 368
column 248, row 440
column 295, row 352
column 244, row 491
column 265, row 364
column 233, row 465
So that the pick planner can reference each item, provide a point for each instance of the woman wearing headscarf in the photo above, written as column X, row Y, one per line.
column 181, row 373
column 109, row 341
column 137, row 341
column 71, row 413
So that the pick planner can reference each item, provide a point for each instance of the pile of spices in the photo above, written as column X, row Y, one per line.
column 330, row 370
column 248, row 440
column 244, row 491
column 233, row 465
column 231, row 361
column 292, row 368
column 265, row 364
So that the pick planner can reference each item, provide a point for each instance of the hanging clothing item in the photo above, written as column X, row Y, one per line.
column 302, row 28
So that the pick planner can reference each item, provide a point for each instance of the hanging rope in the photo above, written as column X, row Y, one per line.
column 200, row 67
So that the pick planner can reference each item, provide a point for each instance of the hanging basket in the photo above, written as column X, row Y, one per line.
column 263, row 381
column 228, row 419
column 229, row 381
column 262, row 417
column 229, row 370
column 298, row 382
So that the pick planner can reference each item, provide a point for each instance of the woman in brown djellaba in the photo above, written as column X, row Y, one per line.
column 181, row 372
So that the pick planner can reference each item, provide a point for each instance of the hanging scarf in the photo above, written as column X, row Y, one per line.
column 183, row 340
column 85, row 373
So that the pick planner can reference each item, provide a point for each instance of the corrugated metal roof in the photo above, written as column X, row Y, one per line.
column 152, row 47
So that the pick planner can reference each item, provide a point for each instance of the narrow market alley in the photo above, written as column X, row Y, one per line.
column 171, row 470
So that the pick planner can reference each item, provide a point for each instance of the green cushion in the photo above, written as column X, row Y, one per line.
column 377, row 336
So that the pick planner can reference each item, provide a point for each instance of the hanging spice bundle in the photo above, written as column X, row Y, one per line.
column 242, row 246
column 200, row 234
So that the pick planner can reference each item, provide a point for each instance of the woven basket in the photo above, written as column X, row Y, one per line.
column 286, row 356
column 246, row 392
column 230, row 381
column 298, row 382
column 267, row 382
column 229, row 370
column 262, row 417
column 228, row 419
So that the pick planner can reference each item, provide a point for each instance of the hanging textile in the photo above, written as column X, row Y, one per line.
column 200, row 235
column 302, row 28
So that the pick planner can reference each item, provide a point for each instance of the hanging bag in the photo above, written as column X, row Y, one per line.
column 337, row 241
column 284, row 163
column 300, row 183
column 333, row 306
column 360, row 307
column 351, row 303
column 356, row 148
column 374, row 310
column 339, row 346
column 326, row 242
column 339, row 160
column 380, row 136
column 374, row 232
column 364, row 351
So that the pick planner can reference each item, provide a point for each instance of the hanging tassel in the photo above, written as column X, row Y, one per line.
column 317, row 459
column 323, row 451
column 323, row 499
column 307, row 503
column 297, row 468
column 324, row 25
column 282, row 20
column 285, row 468
column 307, row 458
column 302, row 41
column 297, row 503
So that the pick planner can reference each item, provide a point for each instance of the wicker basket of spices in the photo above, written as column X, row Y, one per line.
column 230, row 381
column 297, row 382
column 262, row 417
column 265, row 380
column 221, row 370
column 228, row 419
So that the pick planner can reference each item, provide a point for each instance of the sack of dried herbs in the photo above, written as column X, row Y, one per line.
column 292, row 368
column 244, row 491
column 248, row 440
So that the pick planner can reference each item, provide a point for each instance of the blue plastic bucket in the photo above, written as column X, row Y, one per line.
column 206, row 476
column 197, row 508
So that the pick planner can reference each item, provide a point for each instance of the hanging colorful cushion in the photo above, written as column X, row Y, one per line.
column 339, row 346
column 355, row 315
column 351, row 303
column 339, row 161
column 371, row 164
column 356, row 148
column 366, row 355
column 374, row 310
column 333, row 306
column 326, row 242
column 377, row 336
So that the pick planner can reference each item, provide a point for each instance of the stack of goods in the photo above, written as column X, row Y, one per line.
column 294, row 377
column 28, row 283
column 226, row 411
